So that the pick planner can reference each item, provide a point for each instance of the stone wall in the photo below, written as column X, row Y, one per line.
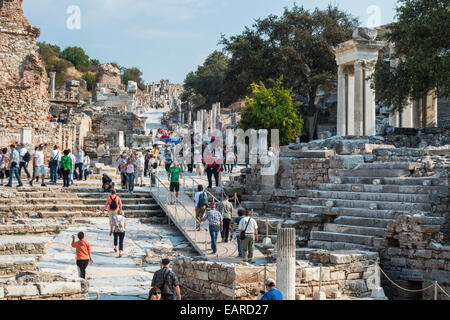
column 23, row 79
column 413, row 256
column 303, row 173
column 30, row 285
column 108, row 74
column 349, row 273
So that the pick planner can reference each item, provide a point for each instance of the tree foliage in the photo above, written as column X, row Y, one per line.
column 78, row 57
column 272, row 108
column 53, row 63
column 422, row 46
column 296, row 45
column 90, row 80
column 133, row 74
column 205, row 86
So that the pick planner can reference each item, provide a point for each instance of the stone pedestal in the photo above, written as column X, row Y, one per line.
column 356, row 99
column 120, row 140
column 286, row 262
column 26, row 136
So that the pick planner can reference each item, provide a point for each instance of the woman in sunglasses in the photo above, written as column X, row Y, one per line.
column 154, row 294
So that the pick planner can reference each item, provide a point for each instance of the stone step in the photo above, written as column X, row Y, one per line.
column 363, row 222
column 380, row 205
column 340, row 228
column 343, row 211
column 84, row 214
column 370, row 196
column 375, row 173
column 342, row 237
column 395, row 181
column 35, row 208
column 310, row 154
column 308, row 217
column 33, row 227
column 333, row 246
column 390, row 165
column 22, row 245
column 384, row 188
column 12, row 264
column 76, row 201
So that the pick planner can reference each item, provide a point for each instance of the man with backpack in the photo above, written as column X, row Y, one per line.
column 25, row 157
column 113, row 205
column 167, row 281
column 201, row 201
column 249, row 235
column 120, row 225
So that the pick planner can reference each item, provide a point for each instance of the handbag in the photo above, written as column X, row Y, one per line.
column 242, row 235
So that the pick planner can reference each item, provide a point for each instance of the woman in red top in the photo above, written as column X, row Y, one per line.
column 83, row 250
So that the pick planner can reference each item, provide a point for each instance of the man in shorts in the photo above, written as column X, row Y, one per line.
column 175, row 172
column 39, row 159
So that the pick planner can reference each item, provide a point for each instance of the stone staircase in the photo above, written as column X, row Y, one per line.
column 361, row 202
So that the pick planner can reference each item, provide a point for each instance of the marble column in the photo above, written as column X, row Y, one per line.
column 52, row 84
column 404, row 119
column 286, row 269
column 26, row 136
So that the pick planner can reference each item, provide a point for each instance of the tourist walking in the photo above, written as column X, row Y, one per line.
column 168, row 159
column 249, row 235
column 271, row 292
column 123, row 171
column 140, row 170
column 130, row 175
column 230, row 157
column 24, row 159
column 147, row 159
column 153, row 169
column 66, row 168
column 215, row 225
column 174, row 175
column 14, row 159
column 237, row 233
column 201, row 201
column 154, row 294
column 225, row 207
column 79, row 156
column 198, row 162
column 113, row 205
column 55, row 158
column 167, row 280
column 118, row 229
column 86, row 166
column 83, row 253
column 4, row 165
column 73, row 167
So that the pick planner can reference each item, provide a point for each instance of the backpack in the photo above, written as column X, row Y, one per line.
column 119, row 225
column 113, row 205
column 201, row 200
column 27, row 157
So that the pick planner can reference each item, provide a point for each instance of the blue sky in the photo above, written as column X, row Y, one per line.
column 168, row 38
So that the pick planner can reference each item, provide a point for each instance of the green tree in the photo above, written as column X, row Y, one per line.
column 94, row 62
column 272, row 108
column 133, row 74
column 90, row 80
column 296, row 45
column 53, row 63
column 422, row 46
column 78, row 57
column 207, row 82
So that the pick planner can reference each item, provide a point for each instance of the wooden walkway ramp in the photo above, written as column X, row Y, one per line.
column 182, row 215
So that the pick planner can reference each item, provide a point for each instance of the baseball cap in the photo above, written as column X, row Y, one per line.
column 212, row 204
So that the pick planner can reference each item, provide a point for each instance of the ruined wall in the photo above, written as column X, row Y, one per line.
column 350, row 273
column 303, row 173
column 108, row 74
column 413, row 255
column 23, row 79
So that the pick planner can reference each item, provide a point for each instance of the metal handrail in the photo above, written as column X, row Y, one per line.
column 207, row 192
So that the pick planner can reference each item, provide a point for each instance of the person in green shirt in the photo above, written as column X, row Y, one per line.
column 66, row 167
column 174, row 175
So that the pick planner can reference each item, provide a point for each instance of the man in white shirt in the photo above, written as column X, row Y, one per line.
column 73, row 167
column 23, row 164
column 86, row 165
column 248, row 228
column 79, row 157
column 40, row 164
column 140, row 162
column 55, row 157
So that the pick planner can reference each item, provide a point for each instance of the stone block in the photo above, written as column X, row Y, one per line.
column 336, row 295
column 357, row 286
column 346, row 162
column 337, row 275
column 376, row 181
column 201, row 275
column 425, row 254
column 354, row 276
column 21, row 291
column 2, row 293
column 300, row 297
column 59, row 288
column 319, row 295
column 394, row 251
column 337, row 258
column 399, row 262
column 226, row 291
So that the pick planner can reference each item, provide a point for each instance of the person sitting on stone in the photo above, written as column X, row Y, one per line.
column 107, row 183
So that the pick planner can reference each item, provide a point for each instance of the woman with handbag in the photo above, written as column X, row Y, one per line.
column 83, row 252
